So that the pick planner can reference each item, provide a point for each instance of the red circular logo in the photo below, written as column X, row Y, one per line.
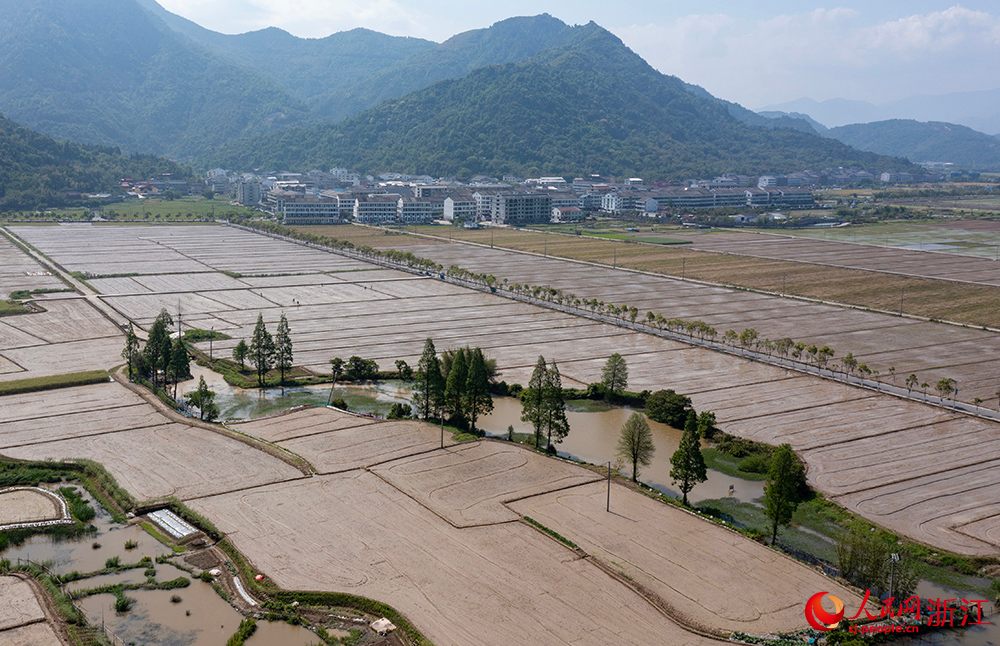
column 819, row 618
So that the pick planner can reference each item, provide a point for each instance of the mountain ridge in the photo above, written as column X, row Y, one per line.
column 592, row 106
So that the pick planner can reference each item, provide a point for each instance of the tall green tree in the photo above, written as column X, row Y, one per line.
column 781, row 489
column 158, row 350
column 479, row 401
column 336, row 369
column 687, row 461
column 635, row 443
column 554, row 406
column 614, row 375
column 454, row 390
column 240, row 353
column 261, row 350
column 428, row 383
column 180, row 365
column 204, row 400
column 283, row 347
column 533, row 400
column 130, row 353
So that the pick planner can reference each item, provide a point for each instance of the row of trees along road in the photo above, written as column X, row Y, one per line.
column 456, row 384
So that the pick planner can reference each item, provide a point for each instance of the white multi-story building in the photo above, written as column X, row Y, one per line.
column 416, row 210
column 248, row 193
column 460, row 208
column 297, row 208
column 376, row 209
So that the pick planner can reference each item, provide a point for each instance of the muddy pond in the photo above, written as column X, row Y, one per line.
column 191, row 616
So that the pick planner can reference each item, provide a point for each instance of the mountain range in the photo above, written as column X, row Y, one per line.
column 526, row 93
column 977, row 110
column 590, row 105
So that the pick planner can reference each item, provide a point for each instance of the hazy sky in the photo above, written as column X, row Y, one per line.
column 755, row 53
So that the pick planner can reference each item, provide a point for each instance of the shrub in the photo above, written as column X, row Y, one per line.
column 755, row 463
column 668, row 407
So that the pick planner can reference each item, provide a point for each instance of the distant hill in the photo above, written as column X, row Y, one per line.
column 780, row 117
column 109, row 72
column 317, row 71
column 589, row 106
column 508, row 41
column 347, row 72
column 977, row 110
column 932, row 141
column 35, row 170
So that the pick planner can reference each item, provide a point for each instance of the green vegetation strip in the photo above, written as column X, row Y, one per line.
column 12, row 308
column 34, row 384
column 554, row 534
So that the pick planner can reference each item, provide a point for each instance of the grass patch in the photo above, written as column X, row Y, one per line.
column 194, row 335
column 13, row 308
column 152, row 531
column 34, row 384
column 78, row 507
column 551, row 532
column 633, row 238
column 715, row 459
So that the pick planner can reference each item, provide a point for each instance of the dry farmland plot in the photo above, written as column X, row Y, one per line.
column 707, row 573
column 844, row 330
column 468, row 484
column 430, row 534
column 391, row 319
column 71, row 336
column 365, row 445
column 18, row 604
column 18, row 271
column 500, row 584
column 150, row 460
column 28, row 506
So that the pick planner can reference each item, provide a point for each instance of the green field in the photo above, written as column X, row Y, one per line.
column 637, row 237
column 186, row 209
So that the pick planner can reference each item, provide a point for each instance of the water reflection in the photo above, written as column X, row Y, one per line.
column 593, row 438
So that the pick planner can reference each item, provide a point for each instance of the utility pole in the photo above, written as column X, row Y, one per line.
column 211, row 338
column 902, row 292
column 441, row 415
column 892, row 570
column 683, row 268
column 608, row 507
column 783, row 278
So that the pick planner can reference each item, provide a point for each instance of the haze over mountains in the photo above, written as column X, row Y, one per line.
column 977, row 110
column 525, row 94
